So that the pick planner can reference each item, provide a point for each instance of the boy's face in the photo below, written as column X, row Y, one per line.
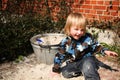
column 76, row 32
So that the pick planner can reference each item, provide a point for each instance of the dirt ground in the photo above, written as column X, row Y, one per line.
column 30, row 69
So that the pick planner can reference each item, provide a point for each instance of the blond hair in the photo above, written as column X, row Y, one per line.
column 76, row 19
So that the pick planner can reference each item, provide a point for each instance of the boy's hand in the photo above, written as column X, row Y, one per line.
column 56, row 68
column 111, row 53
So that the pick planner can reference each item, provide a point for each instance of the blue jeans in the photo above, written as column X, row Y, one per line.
column 87, row 66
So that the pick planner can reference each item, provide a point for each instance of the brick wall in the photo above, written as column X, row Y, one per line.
column 98, row 9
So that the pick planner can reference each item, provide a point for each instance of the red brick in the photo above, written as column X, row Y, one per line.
column 81, row 10
column 87, row 11
column 93, row 11
column 99, row 12
column 116, row 2
column 87, row 6
column 87, row 2
column 99, row 7
column 100, row 2
column 107, row 2
column 93, row 2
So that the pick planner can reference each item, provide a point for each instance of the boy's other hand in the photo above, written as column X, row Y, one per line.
column 111, row 53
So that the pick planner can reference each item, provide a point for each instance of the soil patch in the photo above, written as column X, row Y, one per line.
column 30, row 69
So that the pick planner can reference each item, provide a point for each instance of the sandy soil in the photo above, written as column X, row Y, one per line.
column 30, row 69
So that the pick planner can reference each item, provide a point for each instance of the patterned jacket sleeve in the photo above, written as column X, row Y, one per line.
column 96, row 46
column 60, row 55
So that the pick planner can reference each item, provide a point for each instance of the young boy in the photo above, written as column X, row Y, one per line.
column 77, row 50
